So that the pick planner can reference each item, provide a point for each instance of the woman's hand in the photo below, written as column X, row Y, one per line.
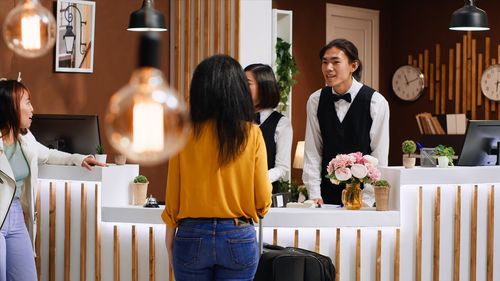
column 90, row 161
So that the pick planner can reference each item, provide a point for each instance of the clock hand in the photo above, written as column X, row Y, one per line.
column 413, row 79
column 406, row 79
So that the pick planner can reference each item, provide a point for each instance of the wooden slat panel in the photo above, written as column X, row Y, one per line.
column 458, row 65
column 443, row 89
column 456, row 232
column 438, row 62
column 317, row 243
column 67, row 231
column 473, row 97
column 487, row 45
column 296, row 238
column 410, row 59
column 217, row 27
column 421, row 61
column 337, row 255
column 177, row 46
column 464, row 74
column 469, row 69
column 135, row 260
column 97, row 232
column 431, row 82
column 116, row 254
column 37, row 238
column 490, row 233
column 52, row 231
column 237, row 30
column 358, row 255
column 275, row 236
column 473, row 236
column 493, row 104
column 83, row 233
column 451, row 68
column 227, row 27
column 397, row 254
column 207, row 28
column 418, row 253
column 197, row 32
column 426, row 68
column 378, row 256
column 479, row 74
column 437, row 233
column 187, row 46
column 152, row 255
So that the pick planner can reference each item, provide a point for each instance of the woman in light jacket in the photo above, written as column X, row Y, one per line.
column 20, row 155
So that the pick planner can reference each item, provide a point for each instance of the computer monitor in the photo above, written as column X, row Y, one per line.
column 481, row 143
column 68, row 133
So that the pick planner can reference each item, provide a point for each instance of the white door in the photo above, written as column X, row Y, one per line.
column 361, row 27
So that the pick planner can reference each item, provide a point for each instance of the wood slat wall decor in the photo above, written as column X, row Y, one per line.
column 52, row 232
column 37, row 238
column 317, row 241
column 451, row 69
column 275, row 236
column 97, row 232
column 337, row 254
column 490, row 233
column 187, row 46
column 358, row 255
column 83, row 233
column 135, row 260
column 116, row 254
column 437, row 233
column 67, row 232
column 378, row 258
column 152, row 255
column 418, row 254
column 456, row 232
column 296, row 238
column 458, row 65
column 397, row 254
column 473, row 236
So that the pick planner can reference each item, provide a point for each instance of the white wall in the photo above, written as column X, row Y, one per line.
column 255, row 32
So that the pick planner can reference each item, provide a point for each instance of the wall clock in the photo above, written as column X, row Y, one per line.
column 490, row 82
column 408, row 82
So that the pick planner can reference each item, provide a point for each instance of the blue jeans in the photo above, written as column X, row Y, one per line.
column 215, row 249
column 17, row 260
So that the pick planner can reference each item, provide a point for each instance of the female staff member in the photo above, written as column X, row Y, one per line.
column 212, row 199
column 276, row 128
column 20, row 155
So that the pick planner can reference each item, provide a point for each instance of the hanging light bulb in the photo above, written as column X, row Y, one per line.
column 146, row 120
column 29, row 29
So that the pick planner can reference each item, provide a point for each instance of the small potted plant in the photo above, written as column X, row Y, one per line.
column 120, row 159
column 100, row 155
column 139, row 190
column 409, row 147
column 382, row 189
column 444, row 155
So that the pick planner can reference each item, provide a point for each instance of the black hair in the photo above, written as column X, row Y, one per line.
column 349, row 49
column 269, row 95
column 219, row 92
column 10, row 102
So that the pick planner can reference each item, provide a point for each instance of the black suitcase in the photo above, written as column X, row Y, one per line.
column 293, row 264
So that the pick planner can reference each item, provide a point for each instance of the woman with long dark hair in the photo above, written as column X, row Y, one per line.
column 217, row 186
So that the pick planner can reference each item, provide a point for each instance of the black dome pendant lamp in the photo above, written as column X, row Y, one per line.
column 469, row 18
column 147, row 18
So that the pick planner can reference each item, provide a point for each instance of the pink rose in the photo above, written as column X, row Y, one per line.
column 343, row 174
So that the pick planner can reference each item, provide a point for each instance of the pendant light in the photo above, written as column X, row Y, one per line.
column 469, row 18
column 147, row 18
column 29, row 29
column 146, row 120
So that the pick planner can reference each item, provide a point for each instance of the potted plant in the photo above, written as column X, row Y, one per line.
column 120, row 159
column 444, row 155
column 139, row 190
column 409, row 147
column 381, row 188
column 100, row 155
column 286, row 69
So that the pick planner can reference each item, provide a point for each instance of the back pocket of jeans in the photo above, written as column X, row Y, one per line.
column 186, row 250
column 244, row 251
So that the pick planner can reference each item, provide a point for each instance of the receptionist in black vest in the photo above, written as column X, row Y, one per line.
column 343, row 117
column 276, row 128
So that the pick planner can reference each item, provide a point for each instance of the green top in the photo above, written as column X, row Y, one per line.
column 19, row 165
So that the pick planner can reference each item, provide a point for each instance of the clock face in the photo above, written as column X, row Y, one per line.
column 490, row 82
column 408, row 83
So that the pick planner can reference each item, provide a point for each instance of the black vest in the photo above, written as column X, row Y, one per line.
column 352, row 135
column 268, row 129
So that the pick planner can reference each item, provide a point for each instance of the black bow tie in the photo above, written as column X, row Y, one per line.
column 257, row 118
column 346, row 97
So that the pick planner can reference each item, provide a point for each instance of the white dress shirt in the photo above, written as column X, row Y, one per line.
column 313, row 147
column 283, row 138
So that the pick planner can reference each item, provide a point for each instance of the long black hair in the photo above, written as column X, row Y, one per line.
column 219, row 92
column 11, row 92
column 349, row 49
column 269, row 93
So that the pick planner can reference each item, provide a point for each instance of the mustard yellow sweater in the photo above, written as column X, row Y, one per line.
column 197, row 187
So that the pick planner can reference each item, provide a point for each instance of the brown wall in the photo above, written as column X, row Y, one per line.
column 115, row 57
column 405, row 28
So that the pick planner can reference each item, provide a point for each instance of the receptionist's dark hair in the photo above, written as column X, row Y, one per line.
column 269, row 94
column 11, row 92
column 219, row 92
column 349, row 49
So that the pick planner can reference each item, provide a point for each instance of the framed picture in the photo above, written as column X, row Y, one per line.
column 75, row 36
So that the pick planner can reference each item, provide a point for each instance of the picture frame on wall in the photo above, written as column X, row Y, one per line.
column 75, row 36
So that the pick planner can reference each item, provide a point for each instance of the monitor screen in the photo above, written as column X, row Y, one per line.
column 481, row 143
column 68, row 133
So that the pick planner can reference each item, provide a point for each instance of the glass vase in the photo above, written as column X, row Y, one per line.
column 351, row 196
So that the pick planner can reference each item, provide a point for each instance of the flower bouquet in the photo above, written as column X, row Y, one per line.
column 352, row 169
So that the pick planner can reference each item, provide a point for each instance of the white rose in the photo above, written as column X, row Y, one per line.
column 343, row 174
column 359, row 171
column 370, row 159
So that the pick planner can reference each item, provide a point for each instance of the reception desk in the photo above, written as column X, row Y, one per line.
column 442, row 224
